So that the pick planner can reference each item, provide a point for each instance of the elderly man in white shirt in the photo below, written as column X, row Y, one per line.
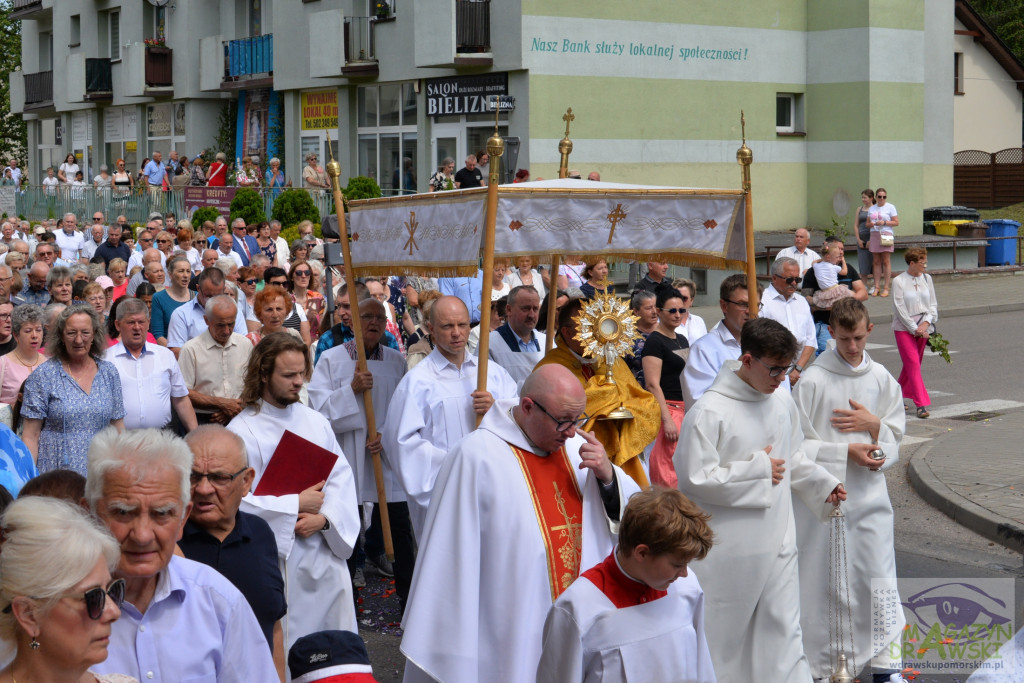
column 799, row 251
column 213, row 364
column 150, row 378
column 782, row 302
column 190, row 319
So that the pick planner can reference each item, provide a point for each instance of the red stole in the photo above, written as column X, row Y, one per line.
column 619, row 588
column 558, row 504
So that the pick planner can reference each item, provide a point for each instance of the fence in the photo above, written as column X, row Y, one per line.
column 984, row 180
column 36, row 204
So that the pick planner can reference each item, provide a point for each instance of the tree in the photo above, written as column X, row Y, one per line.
column 1006, row 17
column 13, row 132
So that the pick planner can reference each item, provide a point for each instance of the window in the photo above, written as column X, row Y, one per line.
column 46, row 51
column 958, row 73
column 386, row 120
column 75, row 34
column 114, row 31
column 789, row 114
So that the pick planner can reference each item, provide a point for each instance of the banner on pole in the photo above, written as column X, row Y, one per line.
column 441, row 233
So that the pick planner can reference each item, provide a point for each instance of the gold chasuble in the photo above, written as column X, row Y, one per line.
column 558, row 504
column 624, row 440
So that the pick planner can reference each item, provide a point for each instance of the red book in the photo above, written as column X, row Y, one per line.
column 296, row 465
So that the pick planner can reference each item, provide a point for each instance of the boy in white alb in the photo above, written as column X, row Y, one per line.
column 629, row 618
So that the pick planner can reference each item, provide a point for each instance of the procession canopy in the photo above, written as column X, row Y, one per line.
column 440, row 233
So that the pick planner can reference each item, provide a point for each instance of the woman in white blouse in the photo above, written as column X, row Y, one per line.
column 525, row 274
column 66, row 172
column 915, row 311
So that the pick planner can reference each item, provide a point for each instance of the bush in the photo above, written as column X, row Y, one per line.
column 361, row 187
column 294, row 206
column 247, row 205
column 203, row 214
column 290, row 234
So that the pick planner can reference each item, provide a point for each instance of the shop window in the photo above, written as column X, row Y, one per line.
column 386, row 120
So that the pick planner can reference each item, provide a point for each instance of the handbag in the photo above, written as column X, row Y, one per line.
column 886, row 239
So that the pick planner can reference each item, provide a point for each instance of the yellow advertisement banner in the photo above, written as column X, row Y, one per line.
column 319, row 109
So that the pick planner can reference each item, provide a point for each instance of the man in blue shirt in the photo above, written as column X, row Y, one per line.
column 154, row 172
column 469, row 289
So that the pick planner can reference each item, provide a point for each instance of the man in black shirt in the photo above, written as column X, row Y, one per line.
column 655, row 276
column 113, row 248
column 810, row 286
column 470, row 176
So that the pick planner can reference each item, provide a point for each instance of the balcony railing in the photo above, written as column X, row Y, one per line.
column 472, row 26
column 359, row 53
column 98, row 83
column 21, row 9
column 248, row 57
column 159, row 67
column 38, row 88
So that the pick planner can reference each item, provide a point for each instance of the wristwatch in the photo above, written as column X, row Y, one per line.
column 327, row 525
column 798, row 368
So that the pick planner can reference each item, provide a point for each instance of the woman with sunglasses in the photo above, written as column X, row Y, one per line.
column 310, row 301
column 664, row 358
column 122, row 179
column 882, row 220
column 693, row 326
column 59, row 600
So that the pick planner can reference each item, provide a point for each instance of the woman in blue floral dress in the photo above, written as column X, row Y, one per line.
column 73, row 395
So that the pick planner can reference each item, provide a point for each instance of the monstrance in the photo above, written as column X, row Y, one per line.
column 606, row 328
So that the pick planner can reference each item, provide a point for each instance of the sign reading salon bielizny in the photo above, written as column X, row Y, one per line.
column 466, row 94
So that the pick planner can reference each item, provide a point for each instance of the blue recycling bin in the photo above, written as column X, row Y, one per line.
column 1001, row 252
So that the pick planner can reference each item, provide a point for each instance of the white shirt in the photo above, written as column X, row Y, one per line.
column 794, row 313
column 707, row 355
column 89, row 248
column 805, row 259
column 187, row 322
column 233, row 256
column 136, row 260
column 148, row 383
column 693, row 329
column 431, row 410
column 70, row 245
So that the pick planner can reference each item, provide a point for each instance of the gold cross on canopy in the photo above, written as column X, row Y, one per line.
column 411, row 226
column 615, row 216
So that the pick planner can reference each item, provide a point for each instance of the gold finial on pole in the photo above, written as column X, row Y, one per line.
column 334, row 171
column 745, row 157
column 565, row 145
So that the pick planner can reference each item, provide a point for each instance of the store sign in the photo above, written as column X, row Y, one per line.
column 464, row 94
column 319, row 110
column 158, row 124
column 217, row 197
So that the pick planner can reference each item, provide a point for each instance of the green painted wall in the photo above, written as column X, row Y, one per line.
column 788, row 15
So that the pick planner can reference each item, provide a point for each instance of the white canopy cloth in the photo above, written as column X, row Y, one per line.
column 441, row 233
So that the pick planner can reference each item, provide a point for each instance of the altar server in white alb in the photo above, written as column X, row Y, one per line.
column 639, row 615
column 520, row 505
column 436, row 404
column 849, row 406
column 336, row 391
column 516, row 345
column 740, row 458
column 317, row 528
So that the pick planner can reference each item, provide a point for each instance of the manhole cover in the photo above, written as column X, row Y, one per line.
column 976, row 416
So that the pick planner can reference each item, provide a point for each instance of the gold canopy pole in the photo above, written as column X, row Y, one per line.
column 564, row 149
column 495, row 148
column 745, row 157
column 334, row 171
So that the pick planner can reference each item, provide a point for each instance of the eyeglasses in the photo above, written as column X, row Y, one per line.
column 674, row 311
column 218, row 481
column 740, row 304
column 97, row 218
column 250, row 281
column 368, row 317
column 163, row 241
column 776, row 370
column 278, row 283
column 881, row 196
column 560, row 425
column 789, row 280
column 96, row 598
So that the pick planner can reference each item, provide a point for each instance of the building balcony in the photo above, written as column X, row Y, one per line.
column 39, row 89
column 159, row 67
column 360, row 58
column 472, row 27
column 30, row 9
column 249, row 62
column 98, row 81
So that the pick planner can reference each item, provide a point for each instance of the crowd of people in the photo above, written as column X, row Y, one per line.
column 195, row 389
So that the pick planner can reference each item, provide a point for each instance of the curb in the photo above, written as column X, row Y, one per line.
column 962, row 510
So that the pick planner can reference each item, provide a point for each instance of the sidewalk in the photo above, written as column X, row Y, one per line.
column 983, row 492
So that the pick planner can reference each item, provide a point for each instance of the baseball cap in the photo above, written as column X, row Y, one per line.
column 330, row 657
column 105, row 282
